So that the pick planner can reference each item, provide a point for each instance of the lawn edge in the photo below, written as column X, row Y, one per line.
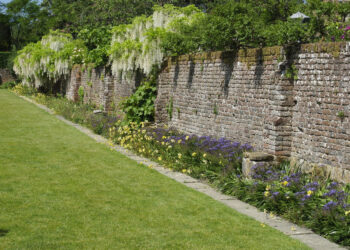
column 294, row 231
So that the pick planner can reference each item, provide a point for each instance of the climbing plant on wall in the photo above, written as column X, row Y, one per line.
column 138, row 45
column 45, row 62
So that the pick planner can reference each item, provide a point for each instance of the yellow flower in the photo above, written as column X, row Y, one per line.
column 266, row 193
column 194, row 154
column 285, row 183
column 309, row 192
column 172, row 140
column 179, row 155
column 187, row 137
column 159, row 158
column 347, row 213
column 162, row 143
column 170, row 146
column 204, row 155
column 263, row 225
column 179, row 141
column 184, row 170
column 293, row 228
column 268, row 187
column 164, row 137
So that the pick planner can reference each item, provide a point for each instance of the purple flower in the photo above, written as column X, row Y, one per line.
column 333, row 185
column 274, row 194
column 330, row 205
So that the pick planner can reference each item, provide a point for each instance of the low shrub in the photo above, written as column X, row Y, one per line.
column 80, row 113
column 24, row 90
column 8, row 85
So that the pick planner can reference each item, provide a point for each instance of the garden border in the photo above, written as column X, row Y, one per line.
column 302, row 234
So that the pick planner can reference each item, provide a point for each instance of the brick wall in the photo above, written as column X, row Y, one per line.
column 100, row 87
column 291, row 103
column 6, row 76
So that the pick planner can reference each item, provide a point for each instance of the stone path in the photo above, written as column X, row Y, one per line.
column 303, row 234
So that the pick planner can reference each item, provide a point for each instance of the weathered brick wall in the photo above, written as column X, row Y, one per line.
column 100, row 87
column 6, row 76
column 288, row 103
column 321, row 128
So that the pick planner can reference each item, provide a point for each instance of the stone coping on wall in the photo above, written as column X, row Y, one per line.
column 267, row 53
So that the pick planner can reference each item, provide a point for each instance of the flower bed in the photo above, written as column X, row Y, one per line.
column 322, row 205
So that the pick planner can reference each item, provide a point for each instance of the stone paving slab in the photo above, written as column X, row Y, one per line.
column 300, row 233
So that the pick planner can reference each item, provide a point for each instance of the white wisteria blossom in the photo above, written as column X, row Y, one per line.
column 138, row 46
column 46, row 62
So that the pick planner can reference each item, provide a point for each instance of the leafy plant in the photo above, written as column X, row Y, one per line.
column 81, row 93
column 8, row 85
column 215, row 109
column 140, row 105
column 341, row 115
column 169, row 108
column 291, row 73
column 98, row 41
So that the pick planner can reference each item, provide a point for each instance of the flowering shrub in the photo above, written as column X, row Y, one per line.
column 44, row 63
column 336, row 31
column 138, row 45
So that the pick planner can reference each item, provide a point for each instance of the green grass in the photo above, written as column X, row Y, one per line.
column 60, row 189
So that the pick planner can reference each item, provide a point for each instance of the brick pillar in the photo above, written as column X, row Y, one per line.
column 74, row 83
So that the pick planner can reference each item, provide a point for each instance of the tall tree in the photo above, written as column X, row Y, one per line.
column 73, row 15
column 27, row 20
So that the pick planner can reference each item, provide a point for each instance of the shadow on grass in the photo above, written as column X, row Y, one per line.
column 3, row 232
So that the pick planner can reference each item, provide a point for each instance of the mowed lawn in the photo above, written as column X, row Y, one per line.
column 60, row 189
